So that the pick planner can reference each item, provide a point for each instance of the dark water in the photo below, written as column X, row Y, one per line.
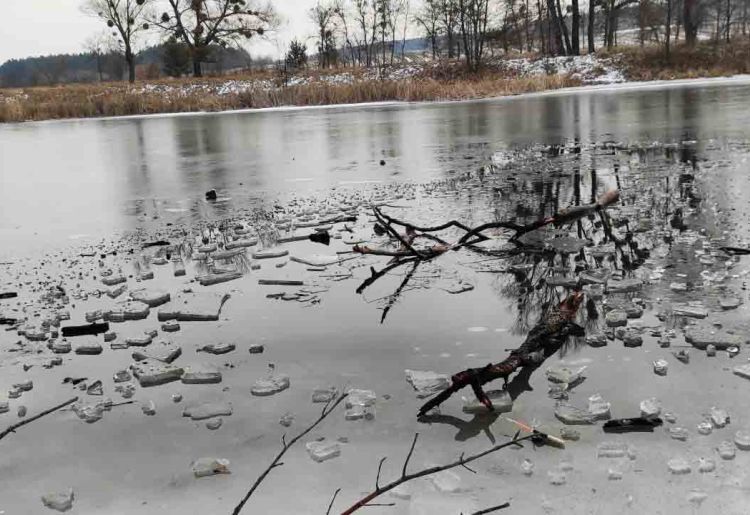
column 67, row 179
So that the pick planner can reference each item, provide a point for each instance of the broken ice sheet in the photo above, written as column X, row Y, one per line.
column 427, row 384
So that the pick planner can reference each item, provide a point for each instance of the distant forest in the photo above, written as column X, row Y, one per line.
column 153, row 62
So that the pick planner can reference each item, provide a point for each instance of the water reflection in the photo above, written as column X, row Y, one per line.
column 103, row 166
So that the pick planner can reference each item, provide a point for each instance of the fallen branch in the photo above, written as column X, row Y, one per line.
column 543, row 341
column 12, row 428
column 462, row 461
column 327, row 409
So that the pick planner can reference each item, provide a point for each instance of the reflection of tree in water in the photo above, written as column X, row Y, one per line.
column 537, row 272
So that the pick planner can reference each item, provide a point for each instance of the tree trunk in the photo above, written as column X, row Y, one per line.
column 555, row 36
column 592, row 18
column 575, row 29
column 130, row 59
column 669, row 28
column 563, row 29
column 689, row 16
column 197, row 69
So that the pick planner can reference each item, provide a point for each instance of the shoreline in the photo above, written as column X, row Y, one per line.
column 740, row 79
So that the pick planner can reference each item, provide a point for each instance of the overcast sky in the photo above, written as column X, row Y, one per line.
column 41, row 27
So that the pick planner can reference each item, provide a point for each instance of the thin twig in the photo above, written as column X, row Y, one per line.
column 365, row 501
column 494, row 508
column 275, row 463
column 377, row 478
column 12, row 428
column 408, row 456
column 333, row 499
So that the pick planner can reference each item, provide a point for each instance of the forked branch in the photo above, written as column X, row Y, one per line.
column 405, row 477
column 327, row 410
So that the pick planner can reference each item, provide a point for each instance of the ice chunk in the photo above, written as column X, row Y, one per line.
column 564, row 375
column 501, row 401
column 742, row 440
column 616, row 318
column 726, row 450
column 194, row 307
column 719, row 417
column 660, row 367
column 152, row 298
column 571, row 415
column 162, row 351
column 599, row 408
column 218, row 348
column 323, row 451
column 557, row 477
column 150, row 372
column 204, row 467
column 678, row 433
column 270, row 385
column 706, row 465
column 427, row 384
column 447, row 482
column 208, row 410
column 650, row 408
column 59, row 501
column 678, row 466
column 201, row 374
column 322, row 395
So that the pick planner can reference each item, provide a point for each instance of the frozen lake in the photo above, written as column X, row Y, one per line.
column 80, row 198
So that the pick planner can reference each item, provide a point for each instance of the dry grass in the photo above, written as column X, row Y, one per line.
column 117, row 99
column 705, row 60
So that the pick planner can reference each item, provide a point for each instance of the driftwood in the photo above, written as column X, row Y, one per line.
column 544, row 340
column 12, row 428
column 405, row 477
column 474, row 235
column 327, row 409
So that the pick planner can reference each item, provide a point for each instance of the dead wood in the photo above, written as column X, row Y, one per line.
column 12, row 428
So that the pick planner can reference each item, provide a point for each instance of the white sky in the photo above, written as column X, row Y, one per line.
column 42, row 27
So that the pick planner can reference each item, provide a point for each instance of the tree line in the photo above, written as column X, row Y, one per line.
column 378, row 33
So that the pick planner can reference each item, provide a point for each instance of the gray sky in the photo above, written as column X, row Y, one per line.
column 41, row 27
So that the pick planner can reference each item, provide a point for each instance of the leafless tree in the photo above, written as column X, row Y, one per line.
column 128, row 18
column 473, row 18
column 203, row 23
column 99, row 45
column 428, row 18
column 323, row 16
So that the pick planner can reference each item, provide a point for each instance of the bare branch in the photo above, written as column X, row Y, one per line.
column 12, row 428
column 276, row 461
column 333, row 499
column 494, row 508
column 365, row 501
column 377, row 478
column 408, row 456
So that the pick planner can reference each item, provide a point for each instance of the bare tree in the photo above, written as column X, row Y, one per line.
column 203, row 23
column 590, row 31
column 128, row 18
column 98, row 45
column 473, row 18
column 575, row 29
column 429, row 19
column 323, row 15
column 693, row 13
